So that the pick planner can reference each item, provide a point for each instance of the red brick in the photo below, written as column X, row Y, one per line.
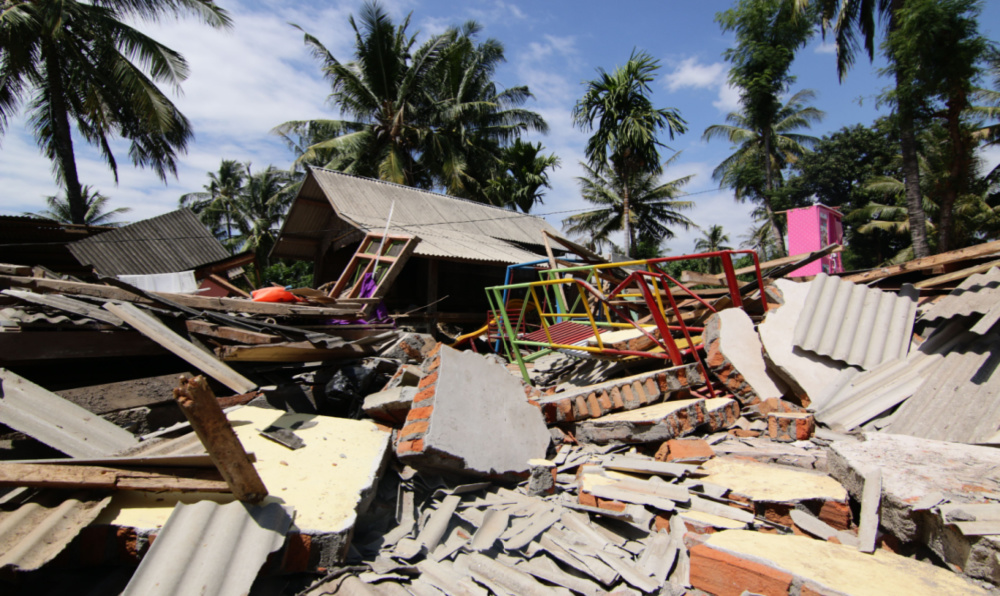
column 661, row 453
column 652, row 389
column 580, row 409
column 586, row 499
column 434, row 350
column 723, row 574
column 605, row 401
column 628, row 397
column 661, row 523
column 778, row 513
column 419, row 413
column 414, row 428
column 639, row 393
column 565, row 407
column 428, row 380
column 433, row 365
column 410, row 446
column 616, row 398
column 594, row 407
column 837, row 514
column 423, row 395
column 686, row 449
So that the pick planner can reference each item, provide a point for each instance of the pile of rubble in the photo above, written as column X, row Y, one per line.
column 841, row 444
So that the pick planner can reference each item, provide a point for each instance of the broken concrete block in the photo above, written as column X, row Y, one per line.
column 685, row 451
column 772, row 491
column 407, row 375
column 729, row 562
column 790, row 427
column 411, row 347
column 390, row 406
column 721, row 413
column 808, row 374
column 330, row 482
column 470, row 415
column 734, row 354
column 617, row 395
column 913, row 468
column 658, row 422
column 542, row 477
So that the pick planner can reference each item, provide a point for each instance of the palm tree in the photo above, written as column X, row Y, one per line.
column 623, row 151
column 77, row 61
column 259, row 210
column 94, row 215
column 523, row 173
column 742, row 170
column 651, row 206
column 216, row 204
column 714, row 240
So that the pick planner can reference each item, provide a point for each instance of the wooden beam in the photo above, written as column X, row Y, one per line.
column 197, row 302
column 301, row 351
column 930, row 262
column 956, row 275
column 8, row 269
column 233, row 334
column 152, row 328
column 694, row 277
column 28, row 346
column 225, row 283
column 72, row 477
column 203, row 412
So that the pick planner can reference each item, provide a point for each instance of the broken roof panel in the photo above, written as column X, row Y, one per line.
column 32, row 533
column 977, row 295
column 208, row 548
column 56, row 422
column 331, row 204
column 175, row 241
column 856, row 324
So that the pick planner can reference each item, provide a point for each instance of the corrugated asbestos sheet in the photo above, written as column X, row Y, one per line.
column 857, row 398
column 58, row 423
column 977, row 295
column 207, row 548
column 960, row 402
column 32, row 533
column 175, row 241
column 331, row 204
column 856, row 324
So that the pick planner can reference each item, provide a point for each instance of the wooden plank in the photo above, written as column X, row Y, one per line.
column 161, row 334
column 228, row 286
column 203, row 412
column 190, row 301
column 364, row 261
column 8, row 269
column 694, row 277
column 956, row 275
column 930, row 262
column 231, row 333
column 301, row 351
column 31, row 346
column 104, row 478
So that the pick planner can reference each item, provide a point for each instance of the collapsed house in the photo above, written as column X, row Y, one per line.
column 629, row 431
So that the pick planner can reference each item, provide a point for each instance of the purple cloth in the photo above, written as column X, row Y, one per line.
column 368, row 287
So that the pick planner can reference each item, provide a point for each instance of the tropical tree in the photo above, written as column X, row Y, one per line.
column 78, row 62
column 762, row 150
column 523, row 172
column 623, row 153
column 768, row 33
column 424, row 116
column 652, row 206
column 94, row 215
column 260, row 209
column 215, row 206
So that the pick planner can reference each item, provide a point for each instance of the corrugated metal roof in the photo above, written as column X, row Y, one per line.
column 961, row 401
column 58, row 423
column 856, row 324
column 207, row 548
column 331, row 204
column 977, row 295
column 32, row 533
column 175, row 241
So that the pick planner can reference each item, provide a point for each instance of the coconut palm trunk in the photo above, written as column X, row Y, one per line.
column 62, row 136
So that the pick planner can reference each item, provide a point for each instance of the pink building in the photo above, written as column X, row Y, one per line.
column 810, row 229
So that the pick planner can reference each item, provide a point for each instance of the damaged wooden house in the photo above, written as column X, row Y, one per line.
column 444, row 250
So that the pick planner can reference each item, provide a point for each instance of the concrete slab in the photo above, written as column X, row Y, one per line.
column 329, row 482
column 765, row 482
column 390, row 406
column 721, row 413
column 735, row 356
column 660, row 422
column 913, row 468
column 808, row 375
column 470, row 415
column 732, row 561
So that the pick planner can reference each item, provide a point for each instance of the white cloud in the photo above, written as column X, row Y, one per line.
column 714, row 208
column 729, row 99
column 692, row 74
column 990, row 157
column 825, row 47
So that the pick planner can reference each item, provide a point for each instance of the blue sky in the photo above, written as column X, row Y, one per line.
column 246, row 81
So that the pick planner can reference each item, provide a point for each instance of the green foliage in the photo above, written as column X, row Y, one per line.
column 298, row 274
column 72, row 61
column 94, row 215
column 652, row 207
column 623, row 151
column 521, row 174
